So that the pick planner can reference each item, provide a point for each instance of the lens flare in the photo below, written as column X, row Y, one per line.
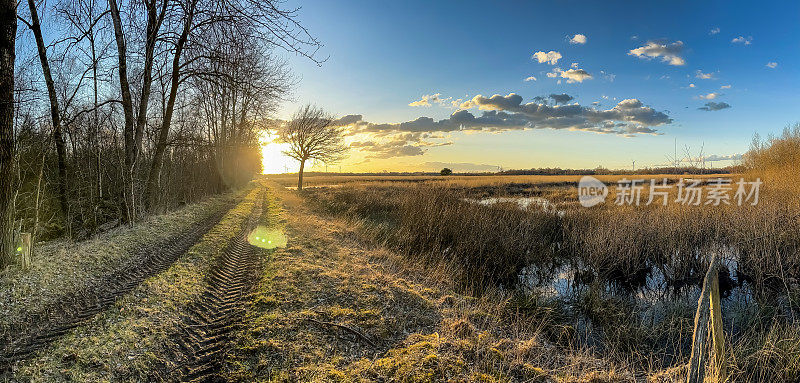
column 267, row 238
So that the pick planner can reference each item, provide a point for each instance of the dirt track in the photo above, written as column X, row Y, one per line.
column 206, row 329
column 42, row 327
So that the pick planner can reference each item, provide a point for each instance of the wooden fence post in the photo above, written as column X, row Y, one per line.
column 24, row 250
column 720, row 370
column 708, row 312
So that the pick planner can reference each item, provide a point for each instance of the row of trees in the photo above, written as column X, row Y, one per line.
column 116, row 109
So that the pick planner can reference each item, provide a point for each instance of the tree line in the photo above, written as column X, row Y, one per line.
column 111, row 110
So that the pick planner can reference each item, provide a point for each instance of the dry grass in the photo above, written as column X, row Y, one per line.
column 613, row 252
column 432, row 225
column 423, row 326
column 62, row 267
column 125, row 342
column 777, row 160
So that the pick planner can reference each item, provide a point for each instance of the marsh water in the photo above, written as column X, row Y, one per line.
column 653, row 299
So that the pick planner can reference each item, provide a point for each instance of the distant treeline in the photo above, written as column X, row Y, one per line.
column 604, row 171
column 551, row 172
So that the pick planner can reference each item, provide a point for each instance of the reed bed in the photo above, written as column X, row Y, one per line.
column 613, row 255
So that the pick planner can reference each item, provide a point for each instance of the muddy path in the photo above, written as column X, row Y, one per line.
column 42, row 327
column 203, row 337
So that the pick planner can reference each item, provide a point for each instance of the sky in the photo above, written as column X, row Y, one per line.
column 422, row 85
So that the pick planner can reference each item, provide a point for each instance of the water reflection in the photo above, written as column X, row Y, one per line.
column 267, row 238
column 657, row 299
column 524, row 203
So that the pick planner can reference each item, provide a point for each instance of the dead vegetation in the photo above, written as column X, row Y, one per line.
column 387, row 319
column 632, row 272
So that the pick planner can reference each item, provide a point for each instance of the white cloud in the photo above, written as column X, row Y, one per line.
column 743, row 40
column 772, row 65
column 551, row 57
column 724, row 157
column 713, row 31
column 725, row 86
column 709, row 96
column 704, row 76
column 531, row 78
column 572, row 75
column 427, row 99
column 610, row 77
column 668, row 52
column 578, row 39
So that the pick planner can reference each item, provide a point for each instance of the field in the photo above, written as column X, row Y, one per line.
column 470, row 278
column 621, row 282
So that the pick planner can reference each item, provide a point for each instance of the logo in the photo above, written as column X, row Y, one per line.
column 591, row 191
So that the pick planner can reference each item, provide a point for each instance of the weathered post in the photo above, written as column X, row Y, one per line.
column 24, row 250
column 720, row 373
column 708, row 312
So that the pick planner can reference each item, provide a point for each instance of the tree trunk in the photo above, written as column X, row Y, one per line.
column 127, row 107
column 55, row 112
column 95, row 126
column 153, row 25
column 8, row 32
column 163, row 134
column 300, row 175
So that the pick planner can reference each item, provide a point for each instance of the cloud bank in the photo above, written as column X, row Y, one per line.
column 504, row 113
column 496, row 114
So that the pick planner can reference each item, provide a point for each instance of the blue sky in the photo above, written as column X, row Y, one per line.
column 385, row 55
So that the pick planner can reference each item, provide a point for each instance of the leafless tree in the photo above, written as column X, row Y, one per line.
column 8, row 31
column 134, row 126
column 55, row 111
column 312, row 136
column 129, row 107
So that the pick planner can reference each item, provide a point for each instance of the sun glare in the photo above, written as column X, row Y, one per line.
column 273, row 161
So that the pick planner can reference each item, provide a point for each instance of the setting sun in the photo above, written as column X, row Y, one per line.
column 273, row 161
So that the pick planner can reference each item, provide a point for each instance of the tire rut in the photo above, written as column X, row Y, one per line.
column 203, row 338
column 76, row 308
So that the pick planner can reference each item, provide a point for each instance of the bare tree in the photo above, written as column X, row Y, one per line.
column 95, row 139
column 8, row 31
column 55, row 111
column 134, row 128
column 313, row 137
